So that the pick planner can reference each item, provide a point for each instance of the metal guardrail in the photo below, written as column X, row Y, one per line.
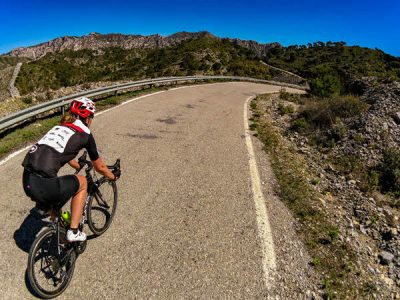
column 25, row 114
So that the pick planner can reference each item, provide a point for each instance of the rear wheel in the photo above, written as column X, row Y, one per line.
column 102, row 206
column 50, row 273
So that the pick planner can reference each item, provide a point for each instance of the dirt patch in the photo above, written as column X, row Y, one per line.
column 141, row 136
column 169, row 120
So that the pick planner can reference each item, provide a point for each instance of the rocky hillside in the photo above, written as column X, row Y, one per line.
column 351, row 147
column 95, row 41
column 203, row 55
column 7, row 65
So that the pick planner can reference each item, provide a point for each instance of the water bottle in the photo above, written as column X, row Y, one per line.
column 66, row 217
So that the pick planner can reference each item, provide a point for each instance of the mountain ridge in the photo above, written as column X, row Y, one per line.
column 96, row 41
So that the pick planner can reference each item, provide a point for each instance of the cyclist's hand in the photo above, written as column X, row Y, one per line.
column 117, row 173
column 81, row 164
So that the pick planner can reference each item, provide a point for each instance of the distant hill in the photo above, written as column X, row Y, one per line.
column 333, row 67
column 95, row 41
column 199, row 55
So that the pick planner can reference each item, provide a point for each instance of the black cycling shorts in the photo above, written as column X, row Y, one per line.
column 51, row 191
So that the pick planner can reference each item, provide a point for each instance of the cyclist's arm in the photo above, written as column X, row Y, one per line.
column 98, row 163
column 100, row 167
column 74, row 164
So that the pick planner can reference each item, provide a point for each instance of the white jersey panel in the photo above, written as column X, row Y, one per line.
column 57, row 138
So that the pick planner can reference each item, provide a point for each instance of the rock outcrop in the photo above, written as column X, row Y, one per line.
column 96, row 41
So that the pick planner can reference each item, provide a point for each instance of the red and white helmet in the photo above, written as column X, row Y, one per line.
column 83, row 107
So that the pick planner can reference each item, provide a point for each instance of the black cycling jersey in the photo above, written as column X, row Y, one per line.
column 59, row 146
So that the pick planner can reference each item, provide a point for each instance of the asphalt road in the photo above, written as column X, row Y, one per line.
column 186, row 222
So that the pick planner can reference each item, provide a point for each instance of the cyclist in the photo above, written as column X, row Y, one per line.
column 60, row 146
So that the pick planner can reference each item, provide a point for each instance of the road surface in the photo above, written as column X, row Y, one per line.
column 186, row 225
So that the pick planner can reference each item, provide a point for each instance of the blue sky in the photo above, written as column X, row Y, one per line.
column 373, row 24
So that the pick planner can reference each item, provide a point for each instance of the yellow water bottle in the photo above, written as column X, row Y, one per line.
column 66, row 217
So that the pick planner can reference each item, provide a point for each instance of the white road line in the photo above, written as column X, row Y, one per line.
column 264, row 228
column 7, row 158
column 129, row 101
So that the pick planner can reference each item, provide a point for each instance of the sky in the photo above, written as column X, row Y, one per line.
column 367, row 23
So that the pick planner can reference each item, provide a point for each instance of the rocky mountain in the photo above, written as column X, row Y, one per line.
column 260, row 50
column 95, row 41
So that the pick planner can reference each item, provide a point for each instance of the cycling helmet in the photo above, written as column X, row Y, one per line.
column 83, row 107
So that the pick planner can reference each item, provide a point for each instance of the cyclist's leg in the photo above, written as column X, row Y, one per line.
column 78, row 202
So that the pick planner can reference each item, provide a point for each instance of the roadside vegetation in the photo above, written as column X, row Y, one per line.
column 331, row 257
column 322, row 119
column 326, row 123
column 338, row 168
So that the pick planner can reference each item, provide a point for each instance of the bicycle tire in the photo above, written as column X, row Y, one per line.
column 107, row 191
column 48, row 237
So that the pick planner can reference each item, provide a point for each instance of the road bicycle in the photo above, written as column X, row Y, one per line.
column 52, row 258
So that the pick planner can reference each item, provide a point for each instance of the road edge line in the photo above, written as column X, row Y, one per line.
column 263, row 225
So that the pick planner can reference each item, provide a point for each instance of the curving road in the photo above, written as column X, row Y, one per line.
column 186, row 225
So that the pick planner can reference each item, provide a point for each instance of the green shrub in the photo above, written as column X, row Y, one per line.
column 253, row 126
column 326, row 85
column 390, row 168
column 284, row 95
column 285, row 109
column 27, row 99
column 348, row 164
column 326, row 112
column 335, row 134
column 315, row 181
column 370, row 180
column 300, row 124
column 333, row 233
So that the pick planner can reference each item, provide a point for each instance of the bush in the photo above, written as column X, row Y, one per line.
column 336, row 133
column 283, row 94
column 390, row 169
column 285, row 109
column 27, row 99
column 324, row 113
column 348, row 164
column 300, row 124
column 325, row 86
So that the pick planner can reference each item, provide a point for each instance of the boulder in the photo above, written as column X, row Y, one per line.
column 386, row 257
column 396, row 117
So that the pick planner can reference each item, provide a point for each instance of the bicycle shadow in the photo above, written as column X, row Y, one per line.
column 26, row 233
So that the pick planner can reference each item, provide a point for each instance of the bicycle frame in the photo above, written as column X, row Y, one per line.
column 92, row 191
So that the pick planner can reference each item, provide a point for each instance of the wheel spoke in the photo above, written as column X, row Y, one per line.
column 102, row 207
column 48, row 272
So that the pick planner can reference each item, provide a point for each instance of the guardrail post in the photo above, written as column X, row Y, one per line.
column 63, row 109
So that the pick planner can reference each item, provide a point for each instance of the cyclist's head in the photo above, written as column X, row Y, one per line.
column 82, row 108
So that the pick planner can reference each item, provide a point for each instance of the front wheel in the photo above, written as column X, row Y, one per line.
column 102, row 206
column 50, row 271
